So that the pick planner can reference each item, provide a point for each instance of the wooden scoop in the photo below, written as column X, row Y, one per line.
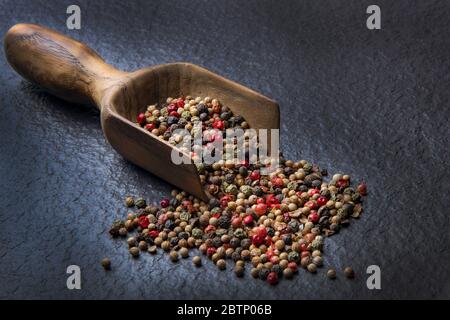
column 72, row 71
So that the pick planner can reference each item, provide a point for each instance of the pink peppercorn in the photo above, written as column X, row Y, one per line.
column 164, row 203
column 272, row 278
column 141, row 118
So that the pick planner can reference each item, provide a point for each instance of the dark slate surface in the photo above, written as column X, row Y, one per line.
column 371, row 104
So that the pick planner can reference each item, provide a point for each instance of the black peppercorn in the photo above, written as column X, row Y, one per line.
column 245, row 243
column 235, row 242
column 235, row 256
column 258, row 191
column 263, row 273
column 277, row 269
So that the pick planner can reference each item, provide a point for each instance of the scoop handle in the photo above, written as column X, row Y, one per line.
column 63, row 66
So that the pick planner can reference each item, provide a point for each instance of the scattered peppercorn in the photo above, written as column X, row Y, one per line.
column 221, row 264
column 173, row 256
column 197, row 261
column 134, row 251
column 331, row 273
column 349, row 273
column 277, row 222
column 239, row 271
column 106, row 264
column 129, row 201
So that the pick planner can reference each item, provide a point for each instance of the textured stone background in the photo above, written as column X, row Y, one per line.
column 371, row 104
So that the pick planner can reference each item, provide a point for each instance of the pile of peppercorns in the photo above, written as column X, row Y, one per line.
column 276, row 222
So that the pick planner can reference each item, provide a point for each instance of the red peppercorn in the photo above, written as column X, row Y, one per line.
column 224, row 201
column 149, row 126
column 293, row 266
column 164, row 203
column 269, row 254
column 257, row 240
column 141, row 118
column 312, row 192
column 153, row 233
column 261, row 231
column 321, row 201
column 313, row 217
column 269, row 241
column 271, row 200
column 210, row 251
column 272, row 278
column 218, row 124
column 255, row 175
column 311, row 204
column 260, row 209
column 305, row 253
column 210, row 228
column 172, row 107
column 277, row 182
column 342, row 183
column 303, row 247
column 362, row 189
column 143, row 222
column 260, row 200
column 248, row 219
column 174, row 114
column 236, row 222
column 180, row 103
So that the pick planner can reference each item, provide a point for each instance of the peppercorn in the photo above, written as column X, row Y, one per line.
column 263, row 273
column 349, row 273
column 106, row 264
column 221, row 264
column 239, row 271
column 288, row 273
column 197, row 261
column 173, row 256
column 312, row 268
column 165, row 245
column 129, row 201
column 140, row 203
column 331, row 274
column 184, row 253
column 318, row 261
column 254, row 272
column 123, row 232
column 131, row 241
column 153, row 249
column 272, row 278
column 134, row 251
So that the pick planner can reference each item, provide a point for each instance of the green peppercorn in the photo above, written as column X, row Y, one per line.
column 140, row 203
column 197, row 261
column 134, row 251
column 331, row 274
column 349, row 273
column 129, row 201
column 106, row 264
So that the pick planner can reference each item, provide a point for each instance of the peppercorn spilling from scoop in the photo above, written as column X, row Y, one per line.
column 276, row 222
